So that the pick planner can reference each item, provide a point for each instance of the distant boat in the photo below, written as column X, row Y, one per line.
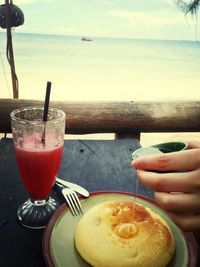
column 86, row 39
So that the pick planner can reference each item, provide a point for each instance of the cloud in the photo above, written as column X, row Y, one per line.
column 109, row 2
column 151, row 18
column 27, row 2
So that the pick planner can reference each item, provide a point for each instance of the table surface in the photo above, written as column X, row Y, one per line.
column 97, row 165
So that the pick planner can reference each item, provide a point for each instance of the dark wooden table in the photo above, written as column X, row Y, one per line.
column 95, row 164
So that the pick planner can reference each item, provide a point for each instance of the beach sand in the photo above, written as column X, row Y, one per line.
column 155, row 138
column 147, row 139
column 97, row 85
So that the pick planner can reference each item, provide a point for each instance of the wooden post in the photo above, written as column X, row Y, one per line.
column 10, row 55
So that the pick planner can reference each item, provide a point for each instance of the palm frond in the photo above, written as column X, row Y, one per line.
column 189, row 6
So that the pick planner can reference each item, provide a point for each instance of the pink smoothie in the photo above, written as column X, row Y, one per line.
column 38, row 169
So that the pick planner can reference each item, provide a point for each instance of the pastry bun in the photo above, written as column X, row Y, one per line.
column 124, row 234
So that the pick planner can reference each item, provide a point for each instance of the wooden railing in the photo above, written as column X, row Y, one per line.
column 125, row 119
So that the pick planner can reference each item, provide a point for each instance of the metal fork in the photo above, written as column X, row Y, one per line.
column 72, row 201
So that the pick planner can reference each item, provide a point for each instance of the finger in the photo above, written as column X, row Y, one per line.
column 193, row 144
column 183, row 160
column 179, row 202
column 187, row 222
column 171, row 182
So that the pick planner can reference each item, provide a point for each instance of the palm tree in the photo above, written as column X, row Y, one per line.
column 189, row 6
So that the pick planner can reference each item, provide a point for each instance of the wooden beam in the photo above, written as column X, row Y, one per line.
column 116, row 117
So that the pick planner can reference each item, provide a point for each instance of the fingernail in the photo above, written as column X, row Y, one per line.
column 134, row 164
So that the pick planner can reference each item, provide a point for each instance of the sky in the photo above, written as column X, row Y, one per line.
column 154, row 19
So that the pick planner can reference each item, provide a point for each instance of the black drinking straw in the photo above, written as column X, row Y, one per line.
column 46, row 102
column 46, row 108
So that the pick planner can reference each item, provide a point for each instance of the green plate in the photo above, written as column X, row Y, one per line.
column 58, row 240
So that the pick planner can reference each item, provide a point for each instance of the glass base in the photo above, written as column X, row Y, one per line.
column 35, row 214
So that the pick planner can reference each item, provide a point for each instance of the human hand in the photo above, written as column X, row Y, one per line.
column 177, row 186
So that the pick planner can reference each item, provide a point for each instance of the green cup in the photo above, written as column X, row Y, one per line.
column 161, row 148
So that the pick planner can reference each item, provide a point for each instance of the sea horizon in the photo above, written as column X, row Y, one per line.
column 3, row 32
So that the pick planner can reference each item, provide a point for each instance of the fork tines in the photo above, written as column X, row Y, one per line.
column 72, row 201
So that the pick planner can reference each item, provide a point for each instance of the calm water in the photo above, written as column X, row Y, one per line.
column 104, row 69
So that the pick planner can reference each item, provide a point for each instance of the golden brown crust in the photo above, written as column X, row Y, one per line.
column 124, row 234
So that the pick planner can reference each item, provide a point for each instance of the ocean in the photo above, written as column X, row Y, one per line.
column 104, row 69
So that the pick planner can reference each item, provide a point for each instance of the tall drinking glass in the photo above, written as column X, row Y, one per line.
column 38, row 148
